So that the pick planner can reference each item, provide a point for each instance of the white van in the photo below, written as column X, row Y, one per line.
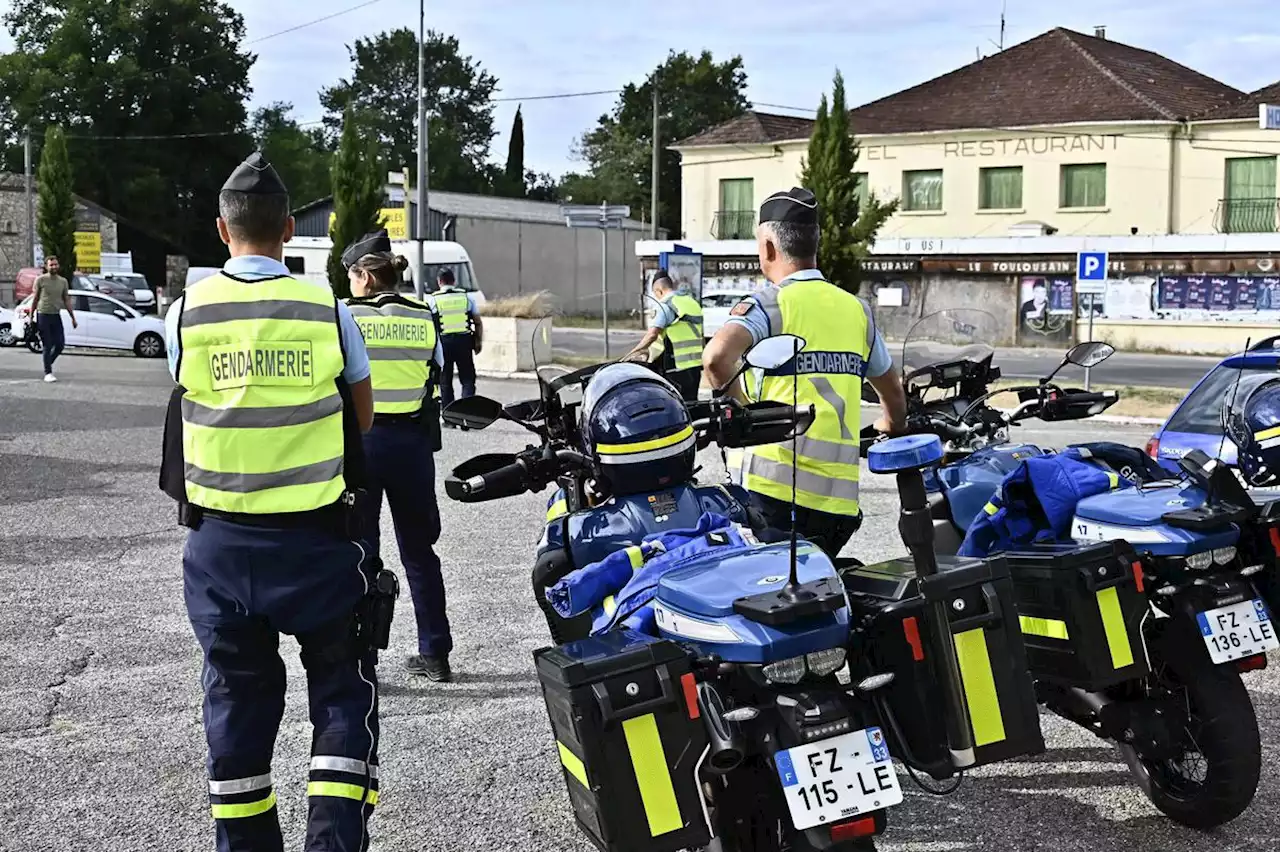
column 308, row 257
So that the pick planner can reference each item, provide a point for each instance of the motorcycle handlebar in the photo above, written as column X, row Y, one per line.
column 506, row 480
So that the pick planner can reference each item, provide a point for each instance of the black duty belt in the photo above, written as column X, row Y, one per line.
column 327, row 517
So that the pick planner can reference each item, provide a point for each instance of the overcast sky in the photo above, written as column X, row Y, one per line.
column 542, row 47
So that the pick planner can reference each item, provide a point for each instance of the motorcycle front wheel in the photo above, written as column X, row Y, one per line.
column 1215, row 779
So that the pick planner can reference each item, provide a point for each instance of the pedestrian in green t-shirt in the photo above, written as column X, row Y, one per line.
column 51, row 294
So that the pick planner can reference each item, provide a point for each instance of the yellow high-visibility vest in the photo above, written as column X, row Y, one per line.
column 452, row 305
column 839, row 330
column 400, row 336
column 262, row 429
column 685, row 333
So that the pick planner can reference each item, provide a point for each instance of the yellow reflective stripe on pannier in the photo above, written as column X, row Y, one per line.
column 991, row 508
column 573, row 764
column 610, row 605
column 1113, row 479
column 244, row 809
column 636, row 556
column 644, row 446
column 338, row 790
column 1113, row 624
column 653, row 776
column 979, row 684
column 1049, row 628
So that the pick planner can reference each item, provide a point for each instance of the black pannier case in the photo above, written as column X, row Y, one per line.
column 1081, row 609
column 624, row 710
column 886, row 601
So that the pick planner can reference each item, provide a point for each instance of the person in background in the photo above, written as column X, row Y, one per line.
column 462, row 335
column 262, row 453
column 49, row 297
column 678, row 322
column 406, row 357
column 842, row 348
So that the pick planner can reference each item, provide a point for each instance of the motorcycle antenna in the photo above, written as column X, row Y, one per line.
column 792, row 590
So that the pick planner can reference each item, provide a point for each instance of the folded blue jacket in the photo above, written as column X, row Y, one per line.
column 1037, row 501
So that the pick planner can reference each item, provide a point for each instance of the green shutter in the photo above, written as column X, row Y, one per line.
column 1000, row 188
column 737, row 213
column 1084, row 185
column 922, row 190
column 860, row 188
column 1250, row 203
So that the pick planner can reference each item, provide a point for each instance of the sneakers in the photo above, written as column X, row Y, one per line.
column 433, row 668
column 50, row 377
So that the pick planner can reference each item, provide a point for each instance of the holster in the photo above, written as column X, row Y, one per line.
column 376, row 609
column 430, row 423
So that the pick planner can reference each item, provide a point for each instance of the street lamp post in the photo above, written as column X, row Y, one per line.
column 606, row 218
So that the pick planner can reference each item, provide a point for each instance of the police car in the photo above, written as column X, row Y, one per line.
column 1196, row 424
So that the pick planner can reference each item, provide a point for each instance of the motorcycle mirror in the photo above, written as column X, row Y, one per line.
column 1090, row 354
column 529, row 409
column 773, row 352
column 473, row 412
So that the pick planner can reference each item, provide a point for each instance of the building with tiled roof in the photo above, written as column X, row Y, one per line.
column 1065, row 133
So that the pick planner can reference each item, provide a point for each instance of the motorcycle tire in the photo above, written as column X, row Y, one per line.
column 32, row 342
column 1223, row 735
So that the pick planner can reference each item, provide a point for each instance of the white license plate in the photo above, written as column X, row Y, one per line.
column 838, row 778
column 1239, row 630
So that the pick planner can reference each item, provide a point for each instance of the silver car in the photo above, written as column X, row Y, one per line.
column 120, row 290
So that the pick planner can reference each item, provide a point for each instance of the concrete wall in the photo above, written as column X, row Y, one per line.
column 513, row 258
column 933, row 292
column 1191, row 338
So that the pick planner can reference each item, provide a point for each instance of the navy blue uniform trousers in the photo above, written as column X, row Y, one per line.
column 244, row 586
column 400, row 464
column 459, row 354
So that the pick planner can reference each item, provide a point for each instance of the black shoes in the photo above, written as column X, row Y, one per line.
column 433, row 668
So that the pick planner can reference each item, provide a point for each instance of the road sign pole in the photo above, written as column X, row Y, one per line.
column 1088, row 383
column 604, row 274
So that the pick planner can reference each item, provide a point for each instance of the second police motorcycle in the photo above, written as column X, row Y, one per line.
column 1142, row 599
column 738, row 689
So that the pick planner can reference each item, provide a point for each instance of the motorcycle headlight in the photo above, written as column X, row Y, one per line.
column 1224, row 555
column 1200, row 561
column 786, row 671
column 825, row 662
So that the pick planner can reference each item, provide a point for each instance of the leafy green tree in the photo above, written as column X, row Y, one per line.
column 383, row 89
column 358, row 194
column 298, row 155
column 56, row 225
column 541, row 186
column 151, row 95
column 514, row 174
column 695, row 93
column 851, row 213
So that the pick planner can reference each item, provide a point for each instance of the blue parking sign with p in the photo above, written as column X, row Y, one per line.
column 1091, row 266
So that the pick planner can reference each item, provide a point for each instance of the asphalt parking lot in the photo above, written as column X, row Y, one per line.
column 100, row 738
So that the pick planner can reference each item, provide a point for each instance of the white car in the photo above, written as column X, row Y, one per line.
column 716, row 307
column 7, row 322
column 105, row 323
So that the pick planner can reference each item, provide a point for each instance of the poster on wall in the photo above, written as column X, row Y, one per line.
column 1227, row 298
column 685, row 270
column 1046, row 307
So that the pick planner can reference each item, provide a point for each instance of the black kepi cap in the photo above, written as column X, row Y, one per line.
column 255, row 176
column 796, row 205
column 377, row 242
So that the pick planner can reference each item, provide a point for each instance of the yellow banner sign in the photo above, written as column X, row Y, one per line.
column 393, row 219
column 88, row 251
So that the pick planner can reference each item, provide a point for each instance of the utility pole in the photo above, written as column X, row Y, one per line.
column 653, row 196
column 420, row 229
column 31, row 207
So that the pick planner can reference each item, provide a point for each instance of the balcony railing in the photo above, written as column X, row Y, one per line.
column 1247, row 215
column 734, row 225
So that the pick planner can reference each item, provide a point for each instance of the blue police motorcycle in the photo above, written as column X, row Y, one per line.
column 722, row 722
column 1186, row 727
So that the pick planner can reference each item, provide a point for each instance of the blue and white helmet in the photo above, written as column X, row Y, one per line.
column 1254, row 427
